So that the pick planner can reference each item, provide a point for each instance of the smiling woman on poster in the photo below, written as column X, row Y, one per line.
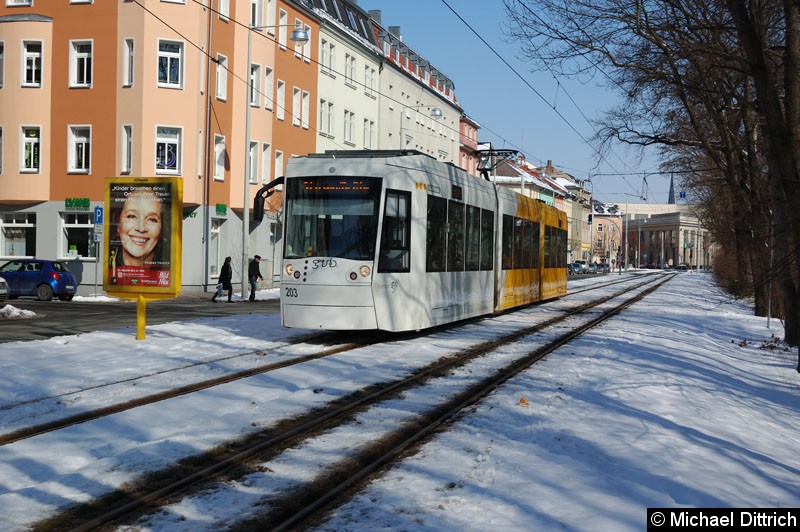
column 140, row 225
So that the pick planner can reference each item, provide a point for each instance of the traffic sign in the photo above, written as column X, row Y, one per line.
column 98, row 215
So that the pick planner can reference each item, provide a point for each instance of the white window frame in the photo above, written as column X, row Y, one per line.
column 283, row 18
column 349, row 69
column 253, row 154
column 306, row 108
column 298, row 47
column 224, row 9
column 322, row 120
column 79, row 152
column 19, row 3
column 296, row 103
column 369, row 81
column 128, row 61
column 126, row 157
column 306, row 46
column 278, row 163
column 349, row 126
column 271, row 16
column 256, row 13
column 83, row 221
column 169, row 136
column 280, row 111
column 325, row 57
column 269, row 84
column 32, row 64
column 80, row 63
column 369, row 133
column 266, row 162
column 255, row 85
column 219, row 158
column 221, row 91
column 326, row 118
column 36, row 147
column 24, row 221
column 171, row 57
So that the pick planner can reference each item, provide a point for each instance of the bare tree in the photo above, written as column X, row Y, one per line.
column 712, row 82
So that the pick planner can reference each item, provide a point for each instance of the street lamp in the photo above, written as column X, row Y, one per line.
column 435, row 113
column 299, row 36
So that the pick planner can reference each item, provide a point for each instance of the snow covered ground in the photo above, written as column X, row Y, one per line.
column 684, row 400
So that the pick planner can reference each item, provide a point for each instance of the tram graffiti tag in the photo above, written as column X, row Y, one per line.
column 324, row 263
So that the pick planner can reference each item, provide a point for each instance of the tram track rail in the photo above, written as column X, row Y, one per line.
column 271, row 442
column 116, row 408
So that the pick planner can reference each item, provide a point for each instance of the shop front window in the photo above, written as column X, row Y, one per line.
column 77, row 240
column 18, row 235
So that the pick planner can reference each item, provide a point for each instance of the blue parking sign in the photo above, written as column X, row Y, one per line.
column 98, row 215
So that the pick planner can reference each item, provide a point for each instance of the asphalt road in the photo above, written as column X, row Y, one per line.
column 58, row 318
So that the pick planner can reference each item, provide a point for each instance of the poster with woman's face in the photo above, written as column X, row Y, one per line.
column 143, row 217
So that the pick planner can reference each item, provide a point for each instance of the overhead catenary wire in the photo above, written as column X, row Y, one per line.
column 355, row 81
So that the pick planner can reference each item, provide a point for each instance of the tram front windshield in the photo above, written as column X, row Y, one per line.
column 332, row 217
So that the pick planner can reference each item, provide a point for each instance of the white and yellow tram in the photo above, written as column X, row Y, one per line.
column 399, row 241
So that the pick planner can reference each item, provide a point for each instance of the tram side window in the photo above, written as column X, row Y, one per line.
column 508, row 242
column 519, row 238
column 395, row 237
column 562, row 248
column 473, row 251
column 487, row 239
column 527, row 244
column 435, row 241
column 535, row 239
column 455, row 236
column 548, row 255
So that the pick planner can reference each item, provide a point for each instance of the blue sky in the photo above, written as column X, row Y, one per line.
column 512, row 115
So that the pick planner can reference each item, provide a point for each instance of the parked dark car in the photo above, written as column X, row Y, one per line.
column 3, row 290
column 41, row 278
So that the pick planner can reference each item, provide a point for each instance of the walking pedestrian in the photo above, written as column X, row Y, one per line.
column 225, row 276
column 254, row 274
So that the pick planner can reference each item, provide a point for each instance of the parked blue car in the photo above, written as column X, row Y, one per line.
column 41, row 278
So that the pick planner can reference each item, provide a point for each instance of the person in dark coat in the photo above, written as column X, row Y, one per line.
column 254, row 274
column 225, row 276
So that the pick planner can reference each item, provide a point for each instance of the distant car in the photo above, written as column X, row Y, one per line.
column 593, row 268
column 603, row 267
column 37, row 277
column 580, row 266
column 570, row 269
column 3, row 290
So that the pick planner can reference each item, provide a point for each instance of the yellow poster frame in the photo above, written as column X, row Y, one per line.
column 170, row 190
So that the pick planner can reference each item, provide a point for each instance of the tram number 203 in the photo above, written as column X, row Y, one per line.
column 291, row 292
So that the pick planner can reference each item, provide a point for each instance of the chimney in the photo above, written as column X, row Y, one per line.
column 395, row 30
column 375, row 15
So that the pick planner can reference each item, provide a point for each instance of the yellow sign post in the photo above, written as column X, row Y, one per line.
column 143, row 227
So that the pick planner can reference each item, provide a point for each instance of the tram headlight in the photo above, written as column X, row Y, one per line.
column 364, row 270
column 289, row 269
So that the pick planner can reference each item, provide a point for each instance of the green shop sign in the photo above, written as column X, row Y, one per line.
column 77, row 204
column 222, row 209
